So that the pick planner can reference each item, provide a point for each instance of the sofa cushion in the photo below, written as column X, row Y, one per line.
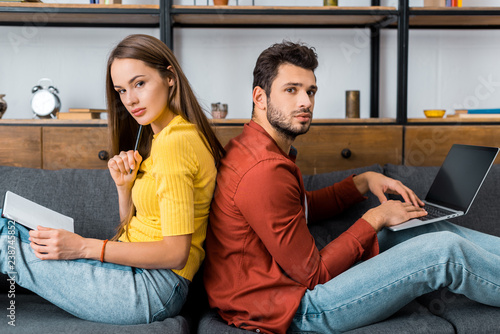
column 212, row 323
column 413, row 318
column 485, row 211
column 318, row 181
column 89, row 196
column 326, row 231
column 466, row 315
column 33, row 314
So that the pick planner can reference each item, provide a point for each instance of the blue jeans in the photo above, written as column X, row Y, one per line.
column 411, row 263
column 88, row 289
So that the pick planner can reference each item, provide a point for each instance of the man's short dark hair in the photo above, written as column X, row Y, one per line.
column 286, row 52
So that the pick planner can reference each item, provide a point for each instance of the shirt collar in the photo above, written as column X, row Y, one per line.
column 292, row 155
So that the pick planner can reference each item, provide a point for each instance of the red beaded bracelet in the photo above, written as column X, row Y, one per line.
column 102, row 251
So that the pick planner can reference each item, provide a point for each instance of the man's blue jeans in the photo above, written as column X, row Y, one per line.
column 411, row 263
column 91, row 290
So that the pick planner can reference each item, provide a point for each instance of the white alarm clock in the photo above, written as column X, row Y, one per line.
column 45, row 103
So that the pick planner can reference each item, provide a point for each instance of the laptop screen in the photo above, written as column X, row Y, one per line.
column 461, row 176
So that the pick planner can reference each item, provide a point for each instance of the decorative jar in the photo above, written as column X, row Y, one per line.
column 3, row 105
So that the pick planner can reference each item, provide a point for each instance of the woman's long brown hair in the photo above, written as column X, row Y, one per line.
column 181, row 100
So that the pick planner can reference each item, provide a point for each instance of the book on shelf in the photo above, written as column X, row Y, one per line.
column 106, row 2
column 434, row 3
column 478, row 111
column 485, row 116
column 442, row 3
column 86, row 110
column 82, row 114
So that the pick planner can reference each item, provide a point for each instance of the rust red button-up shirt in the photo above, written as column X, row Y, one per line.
column 260, row 255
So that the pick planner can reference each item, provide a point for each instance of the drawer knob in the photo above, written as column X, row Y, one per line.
column 346, row 153
column 103, row 155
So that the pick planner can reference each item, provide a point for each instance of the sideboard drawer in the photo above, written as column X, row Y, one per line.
column 21, row 146
column 75, row 147
column 330, row 148
column 429, row 145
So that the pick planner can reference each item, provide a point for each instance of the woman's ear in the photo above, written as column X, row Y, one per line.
column 171, row 79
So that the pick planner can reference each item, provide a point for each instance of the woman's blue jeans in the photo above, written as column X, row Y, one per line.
column 411, row 263
column 91, row 290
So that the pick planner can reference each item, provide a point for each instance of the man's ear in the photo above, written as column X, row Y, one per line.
column 259, row 98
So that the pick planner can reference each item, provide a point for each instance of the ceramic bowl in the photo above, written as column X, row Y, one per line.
column 434, row 113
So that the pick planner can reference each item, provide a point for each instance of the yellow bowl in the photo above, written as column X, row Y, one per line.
column 434, row 113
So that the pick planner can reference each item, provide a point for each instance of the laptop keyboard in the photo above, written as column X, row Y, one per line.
column 434, row 212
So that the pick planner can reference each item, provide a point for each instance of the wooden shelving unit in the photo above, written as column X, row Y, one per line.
column 281, row 16
column 456, row 17
column 436, row 18
column 167, row 16
column 315, row 121
column 53, row 122
column 455, row 120
column 64, row 143
column 374, row 17
column 40, row 14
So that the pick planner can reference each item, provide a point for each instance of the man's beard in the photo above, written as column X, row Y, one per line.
column 283, row 123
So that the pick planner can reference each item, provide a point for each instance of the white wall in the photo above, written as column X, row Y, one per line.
column 448, row 68
column 219, row 64
column 73, row 58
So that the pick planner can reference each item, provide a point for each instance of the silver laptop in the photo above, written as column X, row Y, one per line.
column 456, row 184
column 31, row 214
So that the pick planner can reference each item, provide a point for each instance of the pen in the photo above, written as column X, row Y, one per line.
column 139, row 133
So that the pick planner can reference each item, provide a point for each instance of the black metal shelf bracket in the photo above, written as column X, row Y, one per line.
column 166, row 26
column 402, row 74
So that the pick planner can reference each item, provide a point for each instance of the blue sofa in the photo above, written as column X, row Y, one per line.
column 90, row 197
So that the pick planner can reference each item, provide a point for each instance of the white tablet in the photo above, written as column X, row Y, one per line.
column 31, row 214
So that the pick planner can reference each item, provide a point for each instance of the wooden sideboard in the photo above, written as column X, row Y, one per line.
column 427, row 145
column 55, row 144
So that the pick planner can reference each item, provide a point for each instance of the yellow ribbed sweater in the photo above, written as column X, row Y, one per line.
column 173, row 191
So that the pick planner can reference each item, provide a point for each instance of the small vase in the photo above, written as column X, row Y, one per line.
column 3, row 105
column 219, row 110
column 221, row 2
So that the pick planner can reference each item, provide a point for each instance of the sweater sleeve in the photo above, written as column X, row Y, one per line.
column 269, row 197
column 174, row 168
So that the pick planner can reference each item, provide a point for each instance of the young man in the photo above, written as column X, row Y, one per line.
column 263, row 271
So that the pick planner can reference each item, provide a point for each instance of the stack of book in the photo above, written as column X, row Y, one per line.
column 477, row 113
column 106, row 2
column 74, row 113
column 442, row 3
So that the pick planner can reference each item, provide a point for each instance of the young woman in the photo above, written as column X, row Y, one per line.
column 164, row 190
